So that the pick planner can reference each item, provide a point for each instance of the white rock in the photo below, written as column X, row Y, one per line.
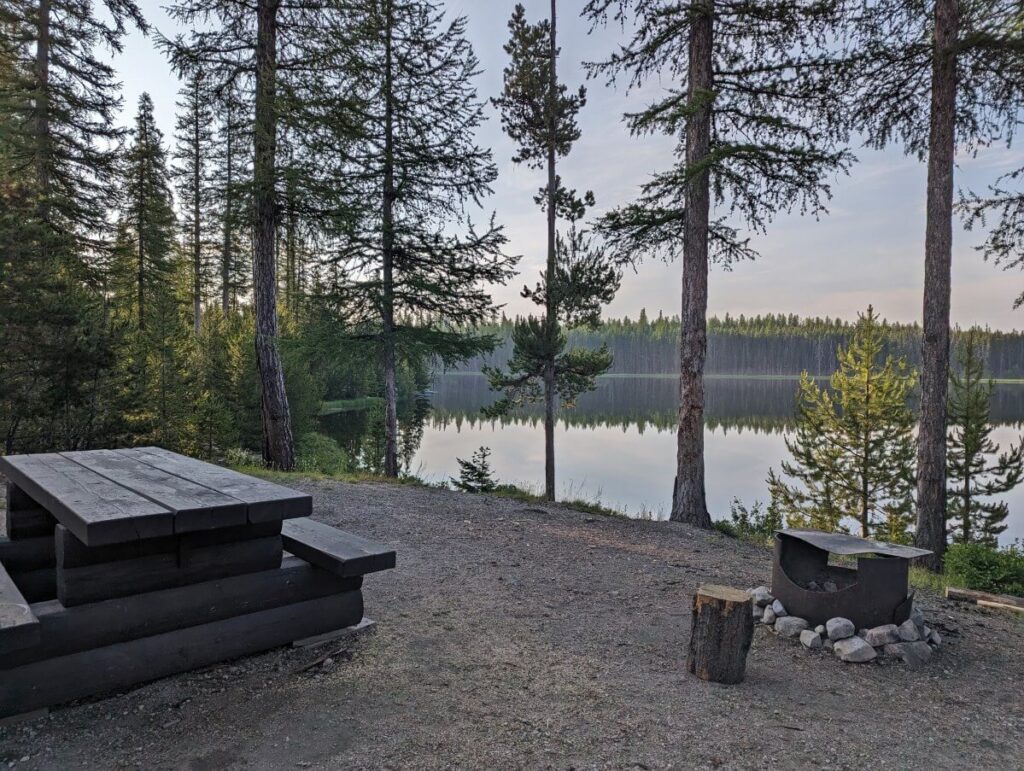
column 762, row 596
column 756, row 612
column 810, row 639
column 768, row 617
column 779, row 608
column 934, row 638
column 908, row 631
column 882, row 635
column 820, row 629
column 854, row 650
column 790, row 626
column 839, row 628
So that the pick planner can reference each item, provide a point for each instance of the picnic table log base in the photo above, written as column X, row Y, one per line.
column 106, row 588
column 721, row 631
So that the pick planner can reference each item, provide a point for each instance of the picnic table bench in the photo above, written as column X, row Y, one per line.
column 122, row 566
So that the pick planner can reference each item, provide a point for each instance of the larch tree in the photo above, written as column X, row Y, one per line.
column 418, row 272
column 265, row 51
column 539, row 114
column 193, row 153
column 853, row 451
column 976, row 470
column 932, row 77
column 747, row 88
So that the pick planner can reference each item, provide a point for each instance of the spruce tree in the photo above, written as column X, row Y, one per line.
column 935, row 77
column 754, row 104
column 539, row 114
column 147, row 210
column 853, row 451
column 975, row 468
column 418, row 273
column 194, row 145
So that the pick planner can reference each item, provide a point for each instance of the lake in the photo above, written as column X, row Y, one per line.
column 618, row 445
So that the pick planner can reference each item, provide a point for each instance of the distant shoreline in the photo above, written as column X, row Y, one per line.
column 669, row 375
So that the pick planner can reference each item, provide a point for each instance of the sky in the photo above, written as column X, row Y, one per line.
column 869, row 249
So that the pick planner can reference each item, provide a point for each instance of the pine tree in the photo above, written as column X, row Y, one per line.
column 936, row 77
column 417, row 270
column 147, row 211
column 475, row 475
column 853, row 450
column 539, row 114
column 58, row 148
column 230, row 180
column 1004, row 245
column 754, row 100
column 975, row 469
column 194, row 143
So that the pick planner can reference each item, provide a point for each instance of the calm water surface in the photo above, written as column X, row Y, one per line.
column 618, row 444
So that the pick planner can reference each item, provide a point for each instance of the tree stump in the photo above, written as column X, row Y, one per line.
column 720, row 634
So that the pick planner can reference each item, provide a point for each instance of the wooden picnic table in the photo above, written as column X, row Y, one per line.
column 120, row 566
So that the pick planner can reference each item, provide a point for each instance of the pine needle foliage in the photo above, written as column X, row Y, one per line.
column 976, row 469
column 853, row 451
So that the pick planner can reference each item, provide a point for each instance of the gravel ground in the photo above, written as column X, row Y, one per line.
column 518, row 635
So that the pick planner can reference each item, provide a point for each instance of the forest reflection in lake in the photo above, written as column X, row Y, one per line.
column 618, row 444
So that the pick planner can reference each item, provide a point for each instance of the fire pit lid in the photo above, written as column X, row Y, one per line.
column 841, row 543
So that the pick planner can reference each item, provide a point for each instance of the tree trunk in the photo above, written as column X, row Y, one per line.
column 388, row 248
column 551, row 308
column 721, row 630
column 688, row 499
column 226, row 256
column 197, row 256
column 938, row 251
column 42, row 111
column 278, row 447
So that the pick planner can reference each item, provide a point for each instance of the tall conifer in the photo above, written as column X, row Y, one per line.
column 747, row 89
column 539, row 113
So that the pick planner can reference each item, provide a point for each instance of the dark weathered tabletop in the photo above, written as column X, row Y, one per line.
column 114, row 496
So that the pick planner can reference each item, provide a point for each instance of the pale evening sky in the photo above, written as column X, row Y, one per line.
column 869, row 249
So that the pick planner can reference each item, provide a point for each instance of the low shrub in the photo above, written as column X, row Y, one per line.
column 986, row 570
column 758, row 523
column 318, row 453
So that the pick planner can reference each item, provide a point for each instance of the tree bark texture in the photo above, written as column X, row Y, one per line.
column 551, row 307
column 721, row 630
column 278, row 446
column 226, row 256
column 388, row 256
column 938, row 251
column 688, row 498
column 197, row 252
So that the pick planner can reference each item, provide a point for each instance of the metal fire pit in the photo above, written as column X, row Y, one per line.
column 873, row 594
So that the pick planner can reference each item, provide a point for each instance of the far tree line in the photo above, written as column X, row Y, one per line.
column 774, row 344
column 330, row 189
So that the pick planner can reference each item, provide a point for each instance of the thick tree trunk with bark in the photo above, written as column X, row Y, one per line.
column 278, row 446
column 551, row 308
column 938, row 251
column 721, row 630
column 688, row 499
column 42, row 110
column 388, row 249
column 197, row 252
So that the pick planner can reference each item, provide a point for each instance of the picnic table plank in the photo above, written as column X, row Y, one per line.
column 265, row 500
column 19, row 627
column 343, row 554
column 195, row 506
column 96, row 509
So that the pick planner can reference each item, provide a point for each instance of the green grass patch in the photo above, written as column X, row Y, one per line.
column 349, row 405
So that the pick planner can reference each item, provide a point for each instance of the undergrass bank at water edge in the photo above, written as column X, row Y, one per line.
column 920, row 578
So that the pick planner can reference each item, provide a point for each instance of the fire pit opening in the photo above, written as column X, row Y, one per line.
column 810, row 579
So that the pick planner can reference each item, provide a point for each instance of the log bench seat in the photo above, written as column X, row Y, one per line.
column 102, row 587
